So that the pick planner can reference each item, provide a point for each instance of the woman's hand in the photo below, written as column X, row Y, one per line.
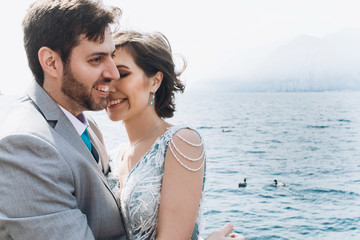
column 221, row 234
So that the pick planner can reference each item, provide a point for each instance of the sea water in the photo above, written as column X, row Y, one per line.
column 309, row 141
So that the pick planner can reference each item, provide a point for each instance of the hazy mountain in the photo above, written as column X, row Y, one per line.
column 309, row 63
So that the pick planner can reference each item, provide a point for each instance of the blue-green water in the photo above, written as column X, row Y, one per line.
column 310, row 141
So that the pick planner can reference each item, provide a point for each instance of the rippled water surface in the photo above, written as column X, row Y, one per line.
column 309, row 141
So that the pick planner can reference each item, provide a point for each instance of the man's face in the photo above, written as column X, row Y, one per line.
column 87, row 76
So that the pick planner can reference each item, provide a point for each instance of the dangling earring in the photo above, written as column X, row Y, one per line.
column 152, row 102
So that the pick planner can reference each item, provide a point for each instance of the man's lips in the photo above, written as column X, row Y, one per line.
column 102, row 88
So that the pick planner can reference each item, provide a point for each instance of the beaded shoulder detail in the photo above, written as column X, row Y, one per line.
column 183, row 159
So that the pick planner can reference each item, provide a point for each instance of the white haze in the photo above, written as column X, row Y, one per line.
column 226, row 41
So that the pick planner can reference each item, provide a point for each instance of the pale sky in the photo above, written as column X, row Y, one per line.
column 219, row 39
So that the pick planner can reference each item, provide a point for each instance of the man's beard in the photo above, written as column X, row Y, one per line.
column 78, row 93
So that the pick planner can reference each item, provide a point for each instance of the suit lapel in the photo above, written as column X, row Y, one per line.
column 97, row 140
column 100, row 148
column 62, row 125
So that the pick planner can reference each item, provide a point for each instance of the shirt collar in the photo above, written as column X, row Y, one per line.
column 80, row 123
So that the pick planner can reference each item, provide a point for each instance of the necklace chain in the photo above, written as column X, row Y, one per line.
column 148, row 134
column 138, row 141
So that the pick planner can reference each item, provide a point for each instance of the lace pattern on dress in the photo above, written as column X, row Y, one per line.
column 140, row 196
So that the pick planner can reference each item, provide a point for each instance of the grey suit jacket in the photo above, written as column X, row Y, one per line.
column 50, row 185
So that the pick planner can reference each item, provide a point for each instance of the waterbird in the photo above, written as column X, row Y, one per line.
column 281, row 184
column 243, row 184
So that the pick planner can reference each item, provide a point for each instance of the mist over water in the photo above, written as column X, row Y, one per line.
column 309, row 141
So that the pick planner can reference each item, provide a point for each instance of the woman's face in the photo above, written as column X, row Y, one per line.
column 132, row 93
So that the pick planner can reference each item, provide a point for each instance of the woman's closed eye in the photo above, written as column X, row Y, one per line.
column 122, row 75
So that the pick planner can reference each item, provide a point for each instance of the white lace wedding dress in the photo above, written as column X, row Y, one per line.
column 140, row 197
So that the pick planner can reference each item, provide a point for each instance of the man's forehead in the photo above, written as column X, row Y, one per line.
column 106, row 44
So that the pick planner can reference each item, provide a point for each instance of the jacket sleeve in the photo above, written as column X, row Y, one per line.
column 37, row 192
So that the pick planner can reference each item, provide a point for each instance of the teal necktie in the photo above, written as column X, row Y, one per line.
column 86, row 138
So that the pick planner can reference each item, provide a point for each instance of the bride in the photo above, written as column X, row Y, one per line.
column 161, row 170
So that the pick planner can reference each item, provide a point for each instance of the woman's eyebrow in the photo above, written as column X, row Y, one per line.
column 122, row 66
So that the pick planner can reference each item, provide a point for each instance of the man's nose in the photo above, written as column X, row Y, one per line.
column 111, row 71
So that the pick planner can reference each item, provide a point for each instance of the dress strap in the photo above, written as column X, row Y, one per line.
column 183, row 158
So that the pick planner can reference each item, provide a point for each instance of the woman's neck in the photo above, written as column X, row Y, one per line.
column 142, row 126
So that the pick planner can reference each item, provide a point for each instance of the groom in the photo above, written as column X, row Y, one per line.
column 53, row 161
column 52, row 157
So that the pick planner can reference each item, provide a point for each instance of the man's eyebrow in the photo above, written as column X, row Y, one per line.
column 101, row 53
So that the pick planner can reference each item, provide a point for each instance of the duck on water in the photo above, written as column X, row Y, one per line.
column 281, row 184
column 243, row 184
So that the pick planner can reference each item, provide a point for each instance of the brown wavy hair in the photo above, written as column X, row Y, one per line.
column 57, row 24
column 152, row 53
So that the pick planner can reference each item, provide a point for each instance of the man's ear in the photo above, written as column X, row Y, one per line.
column 157, row 80
column 50, row 62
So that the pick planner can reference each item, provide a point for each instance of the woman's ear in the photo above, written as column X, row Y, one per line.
column 50, row 62
column 157, row 80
